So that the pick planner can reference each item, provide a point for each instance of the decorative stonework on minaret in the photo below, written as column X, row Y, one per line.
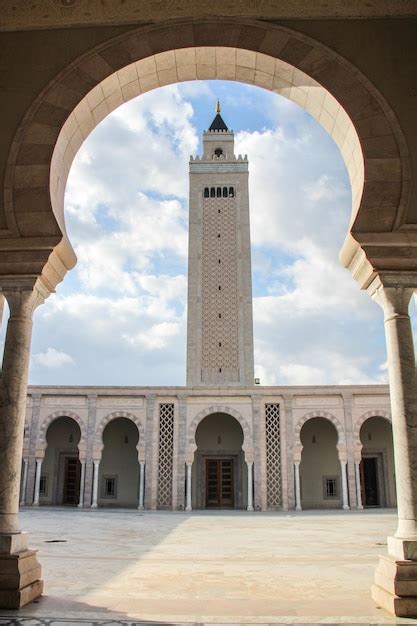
column 220, row 332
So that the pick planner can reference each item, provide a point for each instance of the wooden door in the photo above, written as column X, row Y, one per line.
column 72, row 481
column 219, row 483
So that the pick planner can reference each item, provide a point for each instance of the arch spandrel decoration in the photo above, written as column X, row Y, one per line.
column 360, row 422
column 341, row 439
column 98, row 439
column 247, row 445
column 274, row 57
column 42, row 443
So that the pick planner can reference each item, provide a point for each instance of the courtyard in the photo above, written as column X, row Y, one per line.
column 216, row 567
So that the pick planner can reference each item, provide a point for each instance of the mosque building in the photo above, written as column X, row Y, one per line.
column 223, row 440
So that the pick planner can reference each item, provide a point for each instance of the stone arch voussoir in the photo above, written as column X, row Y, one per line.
column 363, row 418
column 98, row 439
column 42, row 443
column 341, row 438
column 247, row 445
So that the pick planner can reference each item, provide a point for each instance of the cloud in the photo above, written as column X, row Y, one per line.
column 52, row 358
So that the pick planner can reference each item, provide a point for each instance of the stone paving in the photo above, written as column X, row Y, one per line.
column 128, row 567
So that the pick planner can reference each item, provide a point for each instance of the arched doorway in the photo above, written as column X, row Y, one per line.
column 118, row 477
column 320, row 471
column 377, row 471
column 220, row 474
column 61, row 468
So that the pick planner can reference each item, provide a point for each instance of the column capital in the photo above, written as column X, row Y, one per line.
column 393, row 293
column 23, row 296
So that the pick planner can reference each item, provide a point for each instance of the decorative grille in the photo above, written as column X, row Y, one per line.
column 220, row 295
column 273, row 456
column 165, row 457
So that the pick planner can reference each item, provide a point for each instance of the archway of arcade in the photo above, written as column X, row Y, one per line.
column 219, row 473
column 377, row 470
column 274, row 57
column 321, row 483
column 61, row 469
column 118, row 475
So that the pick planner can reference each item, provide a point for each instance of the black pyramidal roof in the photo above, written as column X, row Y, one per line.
column 218, row 123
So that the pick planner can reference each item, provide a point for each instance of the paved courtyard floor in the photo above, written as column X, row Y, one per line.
column 212, row 567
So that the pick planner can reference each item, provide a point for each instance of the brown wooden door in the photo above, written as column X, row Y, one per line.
column 72, row 481
column 219, row 483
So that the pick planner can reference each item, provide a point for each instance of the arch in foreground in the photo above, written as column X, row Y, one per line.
column 284, row 61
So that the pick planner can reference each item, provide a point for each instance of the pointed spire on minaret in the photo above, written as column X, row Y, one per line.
column 218, row 122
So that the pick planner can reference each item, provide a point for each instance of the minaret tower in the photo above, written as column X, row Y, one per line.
column 220, row 328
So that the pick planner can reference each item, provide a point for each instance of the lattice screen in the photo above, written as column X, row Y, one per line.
column 165, row 457
column 273, row 456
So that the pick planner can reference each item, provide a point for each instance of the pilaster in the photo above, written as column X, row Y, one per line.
column 259, row 443
column 91, row 434
column 182, row 425
column 350, row 444
column 152, row 429
column 289, row 444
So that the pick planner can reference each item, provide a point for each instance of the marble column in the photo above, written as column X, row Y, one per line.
column 297, row 486
column 96, row 464
column 24, row 482
column 358, row 485
column 345, row 497
column 141, row 485
column 22, row 302
column 393, row 293
column 250, row 485
column 188, row 506
column 82, row 482
column 37, row 482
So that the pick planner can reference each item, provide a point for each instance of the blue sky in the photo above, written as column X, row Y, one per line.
column 119, row 318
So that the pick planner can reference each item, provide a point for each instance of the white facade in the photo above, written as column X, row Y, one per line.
column 318, row 433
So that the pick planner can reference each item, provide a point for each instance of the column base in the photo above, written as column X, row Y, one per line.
column 94, row 506
column 19, row 572
column 345, row 507
column 395, row 588
column 250, row 508
column 298, row 508
column 188, row 508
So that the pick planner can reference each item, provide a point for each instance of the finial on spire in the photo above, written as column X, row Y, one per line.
column 218, row 106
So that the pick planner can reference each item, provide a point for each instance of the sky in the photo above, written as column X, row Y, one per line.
column 119, row 318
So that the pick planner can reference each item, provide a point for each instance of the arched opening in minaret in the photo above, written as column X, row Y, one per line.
column 219, row 469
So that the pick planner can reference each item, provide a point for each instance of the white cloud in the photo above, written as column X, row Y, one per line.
column 52, row 358
column 157, row 337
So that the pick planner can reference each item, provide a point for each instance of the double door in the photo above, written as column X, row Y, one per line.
column 72, row 471
column 219, row 483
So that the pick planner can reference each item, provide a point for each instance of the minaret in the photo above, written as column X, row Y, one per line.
column 220, row 328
